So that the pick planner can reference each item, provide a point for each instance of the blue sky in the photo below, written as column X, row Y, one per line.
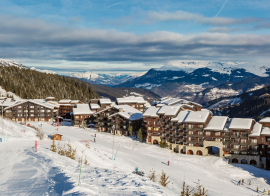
column 69, row 36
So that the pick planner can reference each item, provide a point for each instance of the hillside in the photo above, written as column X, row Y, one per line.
column 31, row 84
column 252, row 104
column 113, row 93
column 26, row 171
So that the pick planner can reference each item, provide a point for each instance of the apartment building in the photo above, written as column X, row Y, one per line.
column 66, row 107
column 81, row 113
column 136, row 102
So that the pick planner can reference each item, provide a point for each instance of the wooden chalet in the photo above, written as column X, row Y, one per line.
column 66, row 107
column 82, row 112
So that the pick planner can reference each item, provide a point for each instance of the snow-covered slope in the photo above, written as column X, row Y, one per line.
column 104, row 79
column 26, row 172
column 43, row 71
column 7, row 63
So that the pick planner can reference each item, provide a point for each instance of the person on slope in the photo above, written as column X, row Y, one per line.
column 249, row 182
column 239, row 182
column 257, row 189
column 95, row 140
column 168, row 163
column 242, row 181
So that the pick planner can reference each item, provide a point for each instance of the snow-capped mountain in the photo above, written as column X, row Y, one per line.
column 7, row 63
column 104, row 79
column 43, row 71
column 191, row 79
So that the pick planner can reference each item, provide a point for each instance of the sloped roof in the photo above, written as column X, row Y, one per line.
column 197, row 116
column 94, row 106
column 265, row 131
column 217, row 123
column 37, row 101
column 105, row 101
column 241, row 123
column 151, row 112
column 265, row 120
column 130, row 99
column 169, row 110
column 82, row 109
column 181, row 117
column 256, row 130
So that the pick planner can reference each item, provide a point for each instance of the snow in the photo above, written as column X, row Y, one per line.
column 265, row 120
column 241, row 123
column 43, row 71
column 214, row 79
column 197, row 117
column 256, row 130
column 82, row 109
column 128, row 115
column 256, row 68
column 64, row 101
column 265, row 131
column 105, row 101
column 4, row 93
column 148, row 86
column 180, row 118
column 151, row 112
column 217, row 123
column 130, row 99
column 217, row 93
column 257, row 87
column 169, row 110
column 94, row 106
column 27, row 172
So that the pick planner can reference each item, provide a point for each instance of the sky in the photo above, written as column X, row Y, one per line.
column 132, row 36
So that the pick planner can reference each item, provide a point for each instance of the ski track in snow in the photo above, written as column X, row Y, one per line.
column 27, row 172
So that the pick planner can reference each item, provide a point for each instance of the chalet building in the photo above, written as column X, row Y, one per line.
column 192, row 130
column 117, row 119
column 66, row 107
column 30, row 110
column 6, row 102
column 136, row 102
column 81, row 113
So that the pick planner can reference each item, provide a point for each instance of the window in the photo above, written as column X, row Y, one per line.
column 218, row 139
column 32, row 110
column 254, row 141
column 31, row 106
column 141, row 106
column 19, row 110
column 190, row 126
column 190, row 144
column 41, row 110
column 149, row 128
column 19, row 106
column 200, row 126
column 31, row 114
column 124, row 127
column 190, row 132
column 76, row 117
column 25, row 110
column 208, row 133
column 217, row 133
column 149, row 122
column 48, row 110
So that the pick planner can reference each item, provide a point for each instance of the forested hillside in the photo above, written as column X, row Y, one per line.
column 30, row 84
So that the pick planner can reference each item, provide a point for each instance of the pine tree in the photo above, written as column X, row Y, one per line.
column 140, row 134
column 152, row 175
column 164, row 179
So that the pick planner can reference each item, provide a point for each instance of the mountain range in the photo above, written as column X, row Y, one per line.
column 202, row 81
column 104, row 79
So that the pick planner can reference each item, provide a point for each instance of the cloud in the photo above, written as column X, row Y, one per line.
column 36, row 39
column 154, row 16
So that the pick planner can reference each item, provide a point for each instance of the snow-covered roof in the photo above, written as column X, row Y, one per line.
column 147, row 104
column 105, row 101
column 128, row 115
column 151, row 112
column 94, row 106
column 82, row 109
column 169, row 110
column 241, row 123
column 50, row 97
column 181, row 117
column 35, row 101
column 65, row 101
column 217, row 123
column 130, row 99
column 265, row 131
column 8, row 102
column 75, row 101
column 197, row 116
column 256, row 130
column 265, row 120
column 126, row 108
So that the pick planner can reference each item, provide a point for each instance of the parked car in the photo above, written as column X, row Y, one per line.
column 92, row 126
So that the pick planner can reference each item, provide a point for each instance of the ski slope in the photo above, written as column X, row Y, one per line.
column 27, row 172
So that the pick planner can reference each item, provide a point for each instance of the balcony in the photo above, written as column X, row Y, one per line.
column 253, row 144
column 253, row 150
column 235, row 143
column 226, row 142
column 226, row 136
column 234, row 136
column 244, row 136
column 235, row 149
column 244, row 144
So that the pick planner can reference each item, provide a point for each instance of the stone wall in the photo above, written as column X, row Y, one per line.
column 215, row 144
column 246, row 157
column 155, row 138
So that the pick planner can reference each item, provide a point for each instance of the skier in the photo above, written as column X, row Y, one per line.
column 136, row 170
column 263, row 191
column 249, row 182
column 257, row 189
column 239, row 182
column 41, row 125
column 95, row 140
column 95, row 135
column 168, row 163
column 242, row 181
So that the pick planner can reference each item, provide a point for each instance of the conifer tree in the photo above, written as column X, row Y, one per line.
column 164, row 179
